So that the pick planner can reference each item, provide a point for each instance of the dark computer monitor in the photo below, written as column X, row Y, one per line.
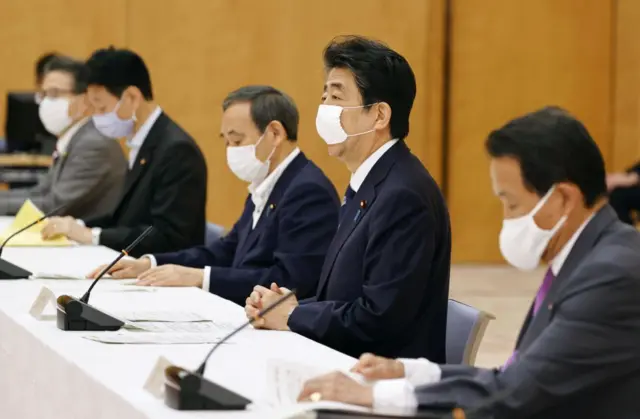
column 24, row 131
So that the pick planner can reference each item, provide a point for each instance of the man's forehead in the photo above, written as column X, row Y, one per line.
column 57, row 79
column 506, row 175
column 339, row 78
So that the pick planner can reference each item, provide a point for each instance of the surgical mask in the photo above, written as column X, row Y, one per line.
column 245, row 165
column 110, row 125
column 329, row 126
column 54, row 114
column 522, row 242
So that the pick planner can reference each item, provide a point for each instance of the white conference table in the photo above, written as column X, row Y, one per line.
column 49, row 373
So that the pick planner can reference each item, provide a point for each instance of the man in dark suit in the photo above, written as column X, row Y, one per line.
column 288, row 220
column 385, row 281
column 166, row 185
column 88, row 168
column 578, row 353
column 624, row 194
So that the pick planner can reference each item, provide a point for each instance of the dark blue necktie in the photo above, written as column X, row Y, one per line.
column 348, row 196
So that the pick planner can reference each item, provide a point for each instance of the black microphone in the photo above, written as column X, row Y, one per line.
column 76, row 314
column 7, row 269
column 185, row 390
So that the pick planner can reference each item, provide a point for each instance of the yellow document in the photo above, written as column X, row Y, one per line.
column 31, row 237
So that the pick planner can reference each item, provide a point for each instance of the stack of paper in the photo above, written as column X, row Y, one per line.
column 154, row 338
column 33, row 236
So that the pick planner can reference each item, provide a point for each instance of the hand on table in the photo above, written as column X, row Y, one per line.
column 124, row 269
column 171, row 276
column 374, row 367
column 68, row 227
column 622, row 180
column 337, row 387
column 262, row 298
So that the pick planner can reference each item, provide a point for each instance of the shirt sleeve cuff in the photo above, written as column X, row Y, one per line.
column 394, row 395
column 152, row 261
column 206, row 277
column 82, row 223
column 95, row 236
column 421, row 371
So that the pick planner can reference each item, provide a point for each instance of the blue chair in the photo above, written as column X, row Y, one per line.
column 465, row 329
column 213, row 233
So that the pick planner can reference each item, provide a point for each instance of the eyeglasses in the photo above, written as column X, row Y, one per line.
column 52, row 93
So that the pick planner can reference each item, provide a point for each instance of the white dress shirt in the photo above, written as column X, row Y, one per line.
column 400, row 393
column 260, row 193
column 63, row 141
column 134, row 144
column 363, row 170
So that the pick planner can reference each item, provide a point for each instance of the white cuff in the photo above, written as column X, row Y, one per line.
column 393, row 395
column 206, row 277
column 95, row 236
column 82, row 223
column 152, row 260
column 421, row 371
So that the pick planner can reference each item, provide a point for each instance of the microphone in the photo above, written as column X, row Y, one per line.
column 7, row 269
column 76, row 314
column 185, row 390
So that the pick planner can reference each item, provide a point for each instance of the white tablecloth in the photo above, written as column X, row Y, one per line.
column 48, row 373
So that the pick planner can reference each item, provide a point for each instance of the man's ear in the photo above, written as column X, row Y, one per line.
column 383, row 115
column 571, row 196
column 279, row 133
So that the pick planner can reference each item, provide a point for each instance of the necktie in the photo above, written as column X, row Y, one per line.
column 348, row 196
column 540, row 296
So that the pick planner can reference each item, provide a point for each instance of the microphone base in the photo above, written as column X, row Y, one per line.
column 10, row 271
column 74, row 315
column 193, row 392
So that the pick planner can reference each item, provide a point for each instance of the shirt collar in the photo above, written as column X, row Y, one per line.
column 260, row 192
column 363, row 170
column 138, row 138
column 63, row 141
column 563, row 254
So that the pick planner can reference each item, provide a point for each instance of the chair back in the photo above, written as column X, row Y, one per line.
column 465, row 329
column 213, row 232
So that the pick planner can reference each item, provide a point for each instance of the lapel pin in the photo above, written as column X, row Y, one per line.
column 143, row 161
column 363, row 204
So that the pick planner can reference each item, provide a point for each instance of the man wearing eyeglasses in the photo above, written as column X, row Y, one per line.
column 88, row 168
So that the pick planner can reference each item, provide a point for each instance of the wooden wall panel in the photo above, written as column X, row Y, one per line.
column 510, row 57
column 29, row 28
column 198, row 52
column 626, row 144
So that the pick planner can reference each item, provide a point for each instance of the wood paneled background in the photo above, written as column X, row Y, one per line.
column 478, row 65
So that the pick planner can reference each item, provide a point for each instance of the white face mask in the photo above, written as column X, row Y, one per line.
column 522, row 242
column 54, row 114
column 329, row 126
column 243, row 162
column 110, row 125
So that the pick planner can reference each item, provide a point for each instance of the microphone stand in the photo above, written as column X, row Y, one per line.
column 74, row 314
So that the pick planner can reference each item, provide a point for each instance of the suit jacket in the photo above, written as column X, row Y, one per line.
column 385, row 281
column 87, row 179
column 287, row 246
column 166, row 188
column 579, row 357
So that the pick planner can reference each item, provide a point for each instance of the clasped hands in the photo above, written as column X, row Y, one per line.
column 261, row 298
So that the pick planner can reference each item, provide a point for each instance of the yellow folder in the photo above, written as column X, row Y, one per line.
column 31, row 237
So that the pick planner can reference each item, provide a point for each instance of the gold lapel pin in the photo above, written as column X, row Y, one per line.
column 143, row 161
column 272, row 206
column 363, row 204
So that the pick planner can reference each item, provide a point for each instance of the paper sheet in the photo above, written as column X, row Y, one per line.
column 32, row 237
column 178, row 327
column 286, row 379
column 126, row 337
column 160, row 316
